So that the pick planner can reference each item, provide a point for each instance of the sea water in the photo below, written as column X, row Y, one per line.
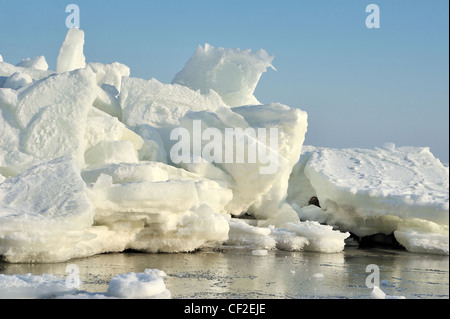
column 242, row 274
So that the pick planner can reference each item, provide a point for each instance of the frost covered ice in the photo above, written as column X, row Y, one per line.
column 87, row 166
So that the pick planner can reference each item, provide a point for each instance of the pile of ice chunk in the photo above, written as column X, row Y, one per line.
column 93, row 160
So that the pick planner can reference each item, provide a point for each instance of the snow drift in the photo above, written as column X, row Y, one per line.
column 87, row 166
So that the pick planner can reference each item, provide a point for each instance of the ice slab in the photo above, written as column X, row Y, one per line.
column 377, row 293
column 12, row 160
column 17, row 80
column 44, row 213
column 146, row 285
column 423, row 237
column 245, row 233
column 9, row 132
column 110, row 74
column 273, row 132
column 107, row 140
column 321, row 238
column 232, row 73
column 7, row 70
column 149, row 284
column 159, row 208
column 291, row 125
column 52, row 114
column 296, row 236
column 71, row 55
column 38, row 63
column 33, row 287
column 107, row 102
column 150, row 102
column 381, row 190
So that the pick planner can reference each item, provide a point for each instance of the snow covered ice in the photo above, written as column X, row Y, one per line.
column 87, row 167
column 400, row 190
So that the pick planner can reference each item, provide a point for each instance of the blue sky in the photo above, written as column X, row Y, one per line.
column 361, row 87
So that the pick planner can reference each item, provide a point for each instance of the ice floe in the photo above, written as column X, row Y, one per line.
column 399, row 190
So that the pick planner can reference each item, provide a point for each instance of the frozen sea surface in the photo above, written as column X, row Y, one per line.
column 242, row 274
